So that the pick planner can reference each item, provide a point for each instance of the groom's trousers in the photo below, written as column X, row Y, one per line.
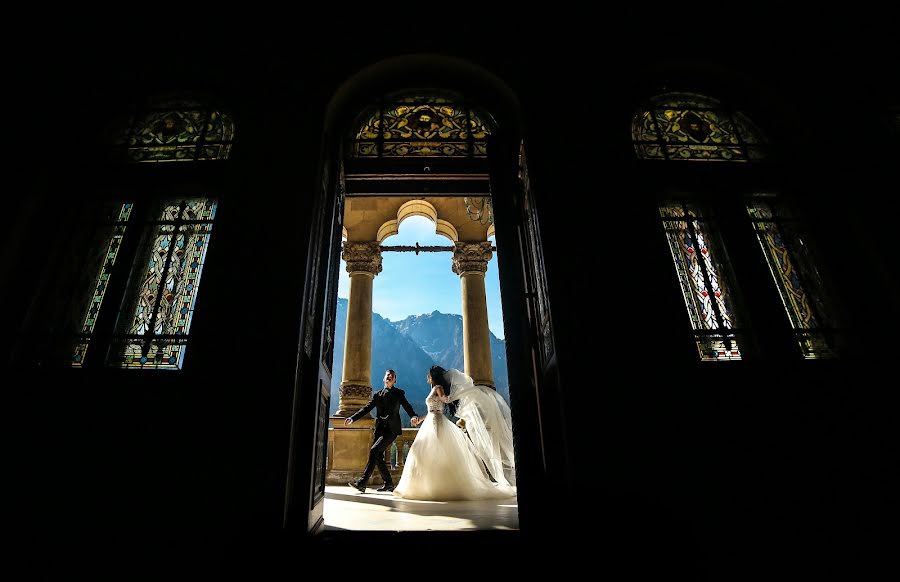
column 382, row 443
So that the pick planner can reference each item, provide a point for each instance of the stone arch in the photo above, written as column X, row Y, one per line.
column 418, row 208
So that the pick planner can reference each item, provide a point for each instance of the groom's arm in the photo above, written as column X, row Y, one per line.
column 407, row 407
column 364, row 410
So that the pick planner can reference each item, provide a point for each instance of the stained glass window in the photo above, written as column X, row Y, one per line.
column 705, row 279
column 155, row 321
column 686, row 126
column 796, row 277
column 179, row 131
column 108, row 241
column 422, row 127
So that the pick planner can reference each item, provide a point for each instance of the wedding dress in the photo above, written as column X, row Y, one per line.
column 488, row 422
column 443, row 463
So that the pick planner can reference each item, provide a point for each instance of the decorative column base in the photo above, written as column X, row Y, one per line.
column 349, row 446
column 349, row 449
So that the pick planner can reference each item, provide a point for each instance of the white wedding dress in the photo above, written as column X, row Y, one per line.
column 443, row 463
column 488, row 423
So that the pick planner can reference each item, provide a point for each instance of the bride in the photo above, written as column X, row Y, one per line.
column 445, row 463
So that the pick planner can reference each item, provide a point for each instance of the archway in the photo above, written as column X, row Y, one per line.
column 480, row 174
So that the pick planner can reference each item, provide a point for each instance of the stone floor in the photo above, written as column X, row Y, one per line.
column 347, row 509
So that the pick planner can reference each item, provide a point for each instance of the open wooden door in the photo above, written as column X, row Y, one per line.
column 531, row 349
column 305, row 491
column 533, row 377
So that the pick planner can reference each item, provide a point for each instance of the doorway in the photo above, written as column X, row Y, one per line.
column 418, row 319
column 480, row 174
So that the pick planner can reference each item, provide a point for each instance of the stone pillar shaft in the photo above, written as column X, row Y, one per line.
column 470, row 263
column 363, row 263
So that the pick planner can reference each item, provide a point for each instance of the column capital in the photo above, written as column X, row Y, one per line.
column 471, row 256
column 362, row 256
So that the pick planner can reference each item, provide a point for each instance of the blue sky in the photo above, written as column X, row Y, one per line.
column 411, row 284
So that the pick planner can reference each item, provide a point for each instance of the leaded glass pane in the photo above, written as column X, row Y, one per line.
column 180, row 135
column 108, row 238
column 685, row 126
column 695, row 126
column 705, row 153
column 649, row 151
column 422, row 127
column 149, row 288
column 164, row 354
column 798, row 282
column 156, row 321
column 426, row 149
column 643, row 128
column 704, row 278
column 219, row 128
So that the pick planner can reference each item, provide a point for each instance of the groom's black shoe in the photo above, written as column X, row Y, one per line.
column 357, row 486
column 386, row 487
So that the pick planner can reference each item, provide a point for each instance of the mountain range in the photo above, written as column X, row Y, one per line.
column 410, row 347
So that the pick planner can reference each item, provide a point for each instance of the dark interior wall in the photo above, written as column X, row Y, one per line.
column 186, row 462
column 766, row 461
column 701, row 466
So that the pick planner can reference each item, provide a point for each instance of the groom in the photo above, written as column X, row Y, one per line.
column 387, row 403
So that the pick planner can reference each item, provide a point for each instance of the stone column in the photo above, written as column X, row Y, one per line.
column 350, row 444
column 363, row 263
column 470, row 261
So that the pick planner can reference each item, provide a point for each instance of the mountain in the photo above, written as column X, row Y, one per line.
column 440, row 336
column 390, row 349
column 410, row 347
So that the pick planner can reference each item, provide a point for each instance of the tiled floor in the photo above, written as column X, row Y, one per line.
column 347, row 509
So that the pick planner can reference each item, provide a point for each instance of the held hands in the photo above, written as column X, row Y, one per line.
column 445, row 399
column 415, row 421
column 348, row 421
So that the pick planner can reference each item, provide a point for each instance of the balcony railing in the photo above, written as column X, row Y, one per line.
column 395, row 457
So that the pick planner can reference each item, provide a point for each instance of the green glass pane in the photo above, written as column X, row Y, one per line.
column 110, row 238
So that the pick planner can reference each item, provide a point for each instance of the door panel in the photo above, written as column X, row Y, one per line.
column 531, row 348
column 306, row 464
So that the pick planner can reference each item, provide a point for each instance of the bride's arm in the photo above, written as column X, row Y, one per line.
column 421, row 419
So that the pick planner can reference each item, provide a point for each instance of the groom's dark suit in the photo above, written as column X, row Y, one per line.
column 387, row 403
